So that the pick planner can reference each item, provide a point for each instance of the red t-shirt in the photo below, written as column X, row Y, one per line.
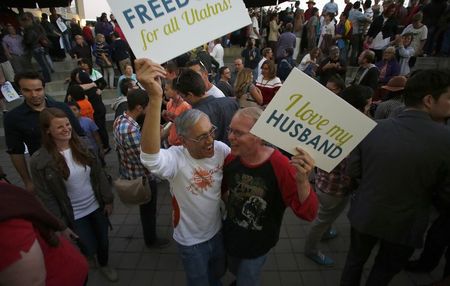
column 64, row 264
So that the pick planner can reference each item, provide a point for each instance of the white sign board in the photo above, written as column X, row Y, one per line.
column 304, row 113
column 164, row 29
column 9, row 93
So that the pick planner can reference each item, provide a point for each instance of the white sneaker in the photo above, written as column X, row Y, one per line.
column 109, row 273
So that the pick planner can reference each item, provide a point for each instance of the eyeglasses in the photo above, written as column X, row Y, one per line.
column 236, row 133
column 204, row 137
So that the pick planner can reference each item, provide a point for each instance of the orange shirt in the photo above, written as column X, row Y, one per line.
column 173, row 137
column 86, row 108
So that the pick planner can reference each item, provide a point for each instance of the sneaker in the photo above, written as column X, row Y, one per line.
column 330, row 234
column 320, row 258
column 109, row 273
column 159, row 243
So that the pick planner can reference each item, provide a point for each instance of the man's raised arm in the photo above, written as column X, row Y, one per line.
column 149, row 75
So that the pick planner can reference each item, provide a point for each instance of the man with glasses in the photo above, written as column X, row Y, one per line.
column 260, row 183
column 194, row 171
column 219, row 110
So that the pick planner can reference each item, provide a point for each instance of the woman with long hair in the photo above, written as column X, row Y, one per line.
column 247, row 94
column 71, row 184
column 268, row 82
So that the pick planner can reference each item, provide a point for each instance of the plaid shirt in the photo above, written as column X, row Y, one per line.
column 336, row 183
column 127, row 136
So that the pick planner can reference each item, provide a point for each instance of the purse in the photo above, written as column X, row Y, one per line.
column 133, row 192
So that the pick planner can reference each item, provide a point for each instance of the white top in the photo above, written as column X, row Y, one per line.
column 79, row 188
column 95, row 75
column 420, row 34
column 305, row 62
column 255, row 25
column 327, row 29
column 195, row 186
column 217, row 53
column 215, row 91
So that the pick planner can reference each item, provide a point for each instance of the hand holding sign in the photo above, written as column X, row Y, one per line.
column 149, row 75
column 304, row 164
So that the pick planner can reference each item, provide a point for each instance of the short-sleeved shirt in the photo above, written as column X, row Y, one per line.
column 419, row 35
column 330, row 7
column 20, row 238
column 89, row 128
column 14, row 44
column 22, row 126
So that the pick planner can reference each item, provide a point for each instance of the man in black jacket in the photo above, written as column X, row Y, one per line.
column 120, row 52
column 367, row 73
column 397, row 170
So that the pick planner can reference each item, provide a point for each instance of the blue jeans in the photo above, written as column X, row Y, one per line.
column 247, row 271
column 204, row 263
column 93, row 232
column 39, row 56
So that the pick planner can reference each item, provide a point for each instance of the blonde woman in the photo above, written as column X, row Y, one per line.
column 247, row 94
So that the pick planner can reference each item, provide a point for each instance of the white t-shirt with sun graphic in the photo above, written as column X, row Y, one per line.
column 196, row 190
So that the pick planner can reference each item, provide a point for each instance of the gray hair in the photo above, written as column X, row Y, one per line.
column 250, row 112
column 187, row 119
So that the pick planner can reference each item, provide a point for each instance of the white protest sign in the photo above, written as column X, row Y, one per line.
column 8, row 91
column 304, row 113
column 164, row 29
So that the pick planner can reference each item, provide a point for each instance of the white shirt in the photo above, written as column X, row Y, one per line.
column 79, row 188
column 419, row 35
column 195, row 186
column 305, row 62
column 215, row 91
column 217, row 53
column 255, row 26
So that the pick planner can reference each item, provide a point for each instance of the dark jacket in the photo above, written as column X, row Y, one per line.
column 401, row 165
column 50, row 187
column 119, row 50
column 388, row 28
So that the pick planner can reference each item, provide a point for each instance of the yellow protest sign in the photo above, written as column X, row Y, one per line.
column 164, row 29
column 304, row 113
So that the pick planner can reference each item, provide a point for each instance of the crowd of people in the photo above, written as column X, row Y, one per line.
column 188, row 121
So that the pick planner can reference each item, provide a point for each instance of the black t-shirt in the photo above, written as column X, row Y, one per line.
column 255, row 209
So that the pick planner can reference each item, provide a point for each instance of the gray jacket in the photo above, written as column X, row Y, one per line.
column 50, row 187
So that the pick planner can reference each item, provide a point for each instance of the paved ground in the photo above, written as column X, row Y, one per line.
column 286, row 264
